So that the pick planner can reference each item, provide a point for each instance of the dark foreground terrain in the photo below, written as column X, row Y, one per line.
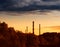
column 11, row 38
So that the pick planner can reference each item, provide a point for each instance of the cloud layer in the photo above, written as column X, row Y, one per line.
column 30, row 4
column 50, row 0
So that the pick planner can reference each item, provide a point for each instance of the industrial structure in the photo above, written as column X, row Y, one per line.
column 33, row 27
column 39, row 29
column 26, row 31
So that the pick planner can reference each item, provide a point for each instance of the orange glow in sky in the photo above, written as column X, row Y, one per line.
column 50, row 21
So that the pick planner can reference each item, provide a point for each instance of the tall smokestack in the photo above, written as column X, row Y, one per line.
column 26, row 31
column 33, row 27
column 39, row 29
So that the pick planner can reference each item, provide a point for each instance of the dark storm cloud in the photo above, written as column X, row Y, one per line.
column 28, row 5
column 5, row 4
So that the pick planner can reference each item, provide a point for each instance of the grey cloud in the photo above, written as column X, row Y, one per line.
column 50, row 0
column 16, row 4
column 22, row 3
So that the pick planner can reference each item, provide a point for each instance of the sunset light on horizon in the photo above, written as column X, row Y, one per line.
column 20, row 20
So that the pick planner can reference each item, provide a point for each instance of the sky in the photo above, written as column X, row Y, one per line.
column 49, row 20
column 21, row 13
column 21, row 5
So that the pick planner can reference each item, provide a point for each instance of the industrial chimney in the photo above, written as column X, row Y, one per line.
column 26, row 31
column 33, row 27
column 39, row 29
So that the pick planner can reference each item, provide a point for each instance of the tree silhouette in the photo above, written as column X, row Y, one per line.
column 9, row 37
